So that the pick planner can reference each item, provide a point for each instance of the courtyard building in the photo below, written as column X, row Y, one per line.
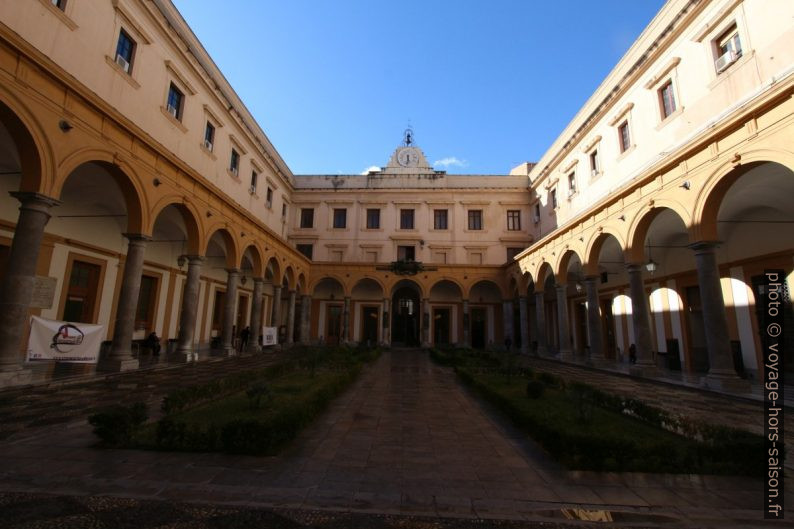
column 138, row 193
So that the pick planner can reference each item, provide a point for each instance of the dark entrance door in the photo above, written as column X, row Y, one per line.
column 369, row 325
column 333, row 324
column 441, row 326
column 609, row 329
column 405, row 317
column 696, row 331
column 478, row 322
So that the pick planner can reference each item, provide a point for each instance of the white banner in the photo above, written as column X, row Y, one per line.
column 269, row 336
column 64, row 342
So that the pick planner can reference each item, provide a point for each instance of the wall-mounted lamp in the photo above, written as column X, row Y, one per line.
column 156, row 182
column 64, row 125
column 243, row 280
column 686, row 185
column 209, row 214
column 623, row 218
column 180, row 261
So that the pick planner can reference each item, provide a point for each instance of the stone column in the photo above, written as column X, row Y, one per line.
column 524, row 322
column 291, row 318
column 306, row 307
column 507, row 322
column 466, row 325
column 16, row 287
column 120, row 356
column 346, row 321
column 228, row 311
column 644, row 366
column 540, row 316
column 564, row 330
column 715, row 323
column 275, row 313
column 188, row 315
column 425, row 322
column 386, row 323
column 594, row 333
column 256, row 315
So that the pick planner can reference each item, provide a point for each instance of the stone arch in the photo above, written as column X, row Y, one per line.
column 316, row 281
column 446, row 284
column 230, row 246
column 716, row 186
column 124, row 175
column 273, row 270
column 258, row 269
column 369, row 278
column 564, row 261
column 300, row 285
column 544, row 272
column 447, row 278
column 400, row 282
column 476, row 287
column 641, row 222
column 190, row 217
column 328, row 287
column 289, row 278
column 366, row 281
column 593, row 249
column 34, row 149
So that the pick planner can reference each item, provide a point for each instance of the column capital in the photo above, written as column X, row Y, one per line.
column 259, row 281
column 306, row 296
column 233, row 271
column 137, row 237
column 634, row 267
column 561, row 286
column 32, row 199
column 590, row 279
column 524, row 297
column 704, row 246
column 194, row 259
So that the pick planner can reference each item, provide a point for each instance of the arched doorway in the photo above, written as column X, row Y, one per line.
column 405, row 315
column 329, row 295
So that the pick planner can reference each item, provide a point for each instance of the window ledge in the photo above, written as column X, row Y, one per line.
column 725, row 74
column 235, row 177
column 372, row 229
column 475, row 231
column 178, row 124
column 207, row 151
column 669, row 118
column 627, row 152
column 127, row 77
column 60, row 14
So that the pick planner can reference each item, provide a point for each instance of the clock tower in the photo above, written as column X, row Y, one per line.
column 408, row 158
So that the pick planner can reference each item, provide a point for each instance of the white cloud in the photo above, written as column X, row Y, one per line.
column 370, row 168
column 450, row 161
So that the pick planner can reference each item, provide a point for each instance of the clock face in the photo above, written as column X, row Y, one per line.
column 408, row 157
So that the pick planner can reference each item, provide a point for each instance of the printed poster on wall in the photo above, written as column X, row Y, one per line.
column 63, row 341
column 269, row 336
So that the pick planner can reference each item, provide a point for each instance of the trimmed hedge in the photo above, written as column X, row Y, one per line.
column 588, row 443
column 117, row 425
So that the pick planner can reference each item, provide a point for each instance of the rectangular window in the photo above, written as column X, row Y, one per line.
column 440, row 219
column 512, row 252
column 209, row 136
column 283, row 211
column 572, row 184
column 513, row 219
column 667, row 99
column 175, row 101
column 475, row 219
column 218, row 310
column 595, row 165
column 624, row 137
column 536, row 218
column 307, row 217
column 406, row 253
column 406, row 219
column 60, row 4
column 306, row 249
column 340, row 218
column 125, row 49
column 234, row 162
column 553, row 195
column 254, row 178
column 269, row 198
column 81, row 297
column 373, row 219
column 147, row 297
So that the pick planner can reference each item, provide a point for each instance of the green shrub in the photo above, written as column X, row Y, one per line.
column 256, row 392
column 550, row 380
column 535, row 389
column 117, row 425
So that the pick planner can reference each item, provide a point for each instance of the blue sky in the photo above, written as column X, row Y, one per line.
column 485, row 85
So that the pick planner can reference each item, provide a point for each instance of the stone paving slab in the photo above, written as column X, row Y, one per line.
column 405, row 439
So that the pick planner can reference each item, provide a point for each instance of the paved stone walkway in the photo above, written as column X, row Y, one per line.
column 406, row 439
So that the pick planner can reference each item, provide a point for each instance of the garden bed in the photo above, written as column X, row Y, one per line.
column 256, row 412
column 585, row 428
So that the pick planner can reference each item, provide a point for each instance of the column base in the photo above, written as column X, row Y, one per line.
column 18, row 376
column 184, row 356
column 599, row 361
column 645, row 370
column 726, row 382
column 115, row 365
column 229, row 351
column 566, row 356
